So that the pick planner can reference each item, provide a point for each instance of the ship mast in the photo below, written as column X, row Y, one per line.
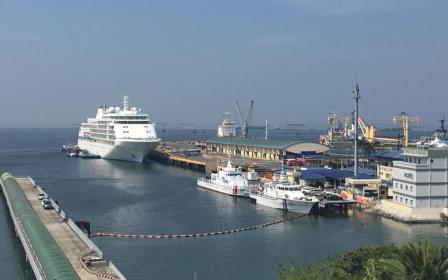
column 125, row 103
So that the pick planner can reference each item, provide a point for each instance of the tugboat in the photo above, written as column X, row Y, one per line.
column 230, row 180
column 284, row 195
column 87, row 155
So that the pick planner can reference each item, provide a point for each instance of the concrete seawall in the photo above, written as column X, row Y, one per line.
column 55, row 246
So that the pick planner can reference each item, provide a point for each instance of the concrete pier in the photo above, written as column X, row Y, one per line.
column 173, row 153
column 85, row 258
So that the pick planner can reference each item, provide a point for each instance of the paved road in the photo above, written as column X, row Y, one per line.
column 72, row 246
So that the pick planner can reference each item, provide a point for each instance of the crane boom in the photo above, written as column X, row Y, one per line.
column 244, row 123
column 406, row 121
column 249, row 116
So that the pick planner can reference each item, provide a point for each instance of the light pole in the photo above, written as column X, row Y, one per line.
column 356, row 97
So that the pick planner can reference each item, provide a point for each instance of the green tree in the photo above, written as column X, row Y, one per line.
column 366, row 147
column 422, row 262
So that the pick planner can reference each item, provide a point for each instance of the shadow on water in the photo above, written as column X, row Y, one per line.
column 12, row 258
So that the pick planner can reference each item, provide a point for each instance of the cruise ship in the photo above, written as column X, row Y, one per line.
column 119, row 133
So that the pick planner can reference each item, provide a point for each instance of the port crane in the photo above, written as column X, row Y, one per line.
column 406, row 120
column 244, row 123
column 341, row 127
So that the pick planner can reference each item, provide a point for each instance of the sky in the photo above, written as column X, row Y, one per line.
column 186, row 61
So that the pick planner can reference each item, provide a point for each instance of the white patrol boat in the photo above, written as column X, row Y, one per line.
column 285, row 196
column 230, row 180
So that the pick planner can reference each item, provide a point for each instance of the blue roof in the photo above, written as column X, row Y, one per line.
column 333, row 174
column 339, row 174
column 282, row 171
column 361, row 170
column 254, row 142
column 362, row 176
column 394, row 155
column 310, row 175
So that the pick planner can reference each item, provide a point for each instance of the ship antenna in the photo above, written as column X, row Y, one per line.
column 125, row 103
column 442, row 123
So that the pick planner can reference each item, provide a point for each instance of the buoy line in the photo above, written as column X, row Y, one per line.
column 191, row 235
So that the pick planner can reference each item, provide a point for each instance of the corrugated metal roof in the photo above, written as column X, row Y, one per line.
column 255, row 142
column 362, row 176
column 361, row 170
column 53, row 261
column 310, row 175
column 333, row 174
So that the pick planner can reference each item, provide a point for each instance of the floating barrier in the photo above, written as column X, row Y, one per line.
column 192, row 235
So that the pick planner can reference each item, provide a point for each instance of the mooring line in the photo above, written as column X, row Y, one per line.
column 191, row 235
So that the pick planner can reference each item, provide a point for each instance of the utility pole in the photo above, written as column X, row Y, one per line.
column 356, row 97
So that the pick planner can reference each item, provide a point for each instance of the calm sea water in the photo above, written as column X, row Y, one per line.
column 152, row 198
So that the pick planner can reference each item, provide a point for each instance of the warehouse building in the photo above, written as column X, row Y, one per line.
column 269, row 149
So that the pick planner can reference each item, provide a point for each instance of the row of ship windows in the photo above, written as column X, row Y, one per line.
column 132, row 122
column 407, row 201
column 406, row 187
column 128, row 117
column 412, row 159
column 127, row 131
column 102, row 136
column 126, row 126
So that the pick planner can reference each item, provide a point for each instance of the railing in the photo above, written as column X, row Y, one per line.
column 84, row 238
column 35, row 264
column 116, row 271
column 29, row 251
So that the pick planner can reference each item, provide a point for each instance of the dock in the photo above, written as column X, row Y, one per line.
column 174, row 153
column 337, row 203
column 55, row 246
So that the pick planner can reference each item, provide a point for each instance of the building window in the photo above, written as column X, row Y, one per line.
column 418, row 161
column 396, row 198
column 401, row 186
column 406, row 187
column 412, row 188
column 401, row 199
column 412, row 202
column 406, row 201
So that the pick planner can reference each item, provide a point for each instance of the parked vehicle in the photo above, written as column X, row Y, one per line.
column 48, row 206
column 45, row 201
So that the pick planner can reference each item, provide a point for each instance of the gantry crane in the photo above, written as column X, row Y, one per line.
column 406, row 121
column 244, row 123
column 334, row 123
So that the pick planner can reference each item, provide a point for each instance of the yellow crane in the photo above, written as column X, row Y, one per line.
column 406, row 121
column 369, row 132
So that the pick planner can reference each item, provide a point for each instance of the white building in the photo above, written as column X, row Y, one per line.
column 420, row 182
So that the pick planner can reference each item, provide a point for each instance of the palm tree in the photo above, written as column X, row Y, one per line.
column 422, row 262
column 371, row 271
column 366, row 147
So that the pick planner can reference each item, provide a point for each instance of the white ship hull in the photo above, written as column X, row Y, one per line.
column 297, row 206
column 229, row 190
column 127, row 150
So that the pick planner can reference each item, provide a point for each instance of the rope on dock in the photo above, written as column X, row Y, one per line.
column 172, row 236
